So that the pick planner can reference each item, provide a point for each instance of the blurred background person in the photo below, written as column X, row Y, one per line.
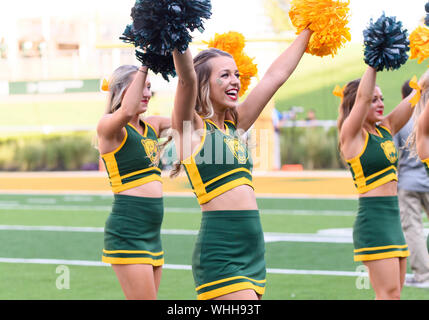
column 413, row 196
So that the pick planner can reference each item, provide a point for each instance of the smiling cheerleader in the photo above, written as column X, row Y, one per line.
column 366, row 144
column 128, row 145
column 228, row 260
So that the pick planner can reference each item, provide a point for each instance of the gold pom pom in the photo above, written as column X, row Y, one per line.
column 105, row 85
column 233, row 43
column 419, row 43
column 327, row 18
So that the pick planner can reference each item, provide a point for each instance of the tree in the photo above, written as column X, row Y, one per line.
column 278, row 12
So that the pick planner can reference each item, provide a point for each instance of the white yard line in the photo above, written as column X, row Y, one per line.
column 14, row 205
column 339, row 235
column 87, row 263
column 332, row 237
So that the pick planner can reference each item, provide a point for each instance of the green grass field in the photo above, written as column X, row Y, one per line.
column 309, row 253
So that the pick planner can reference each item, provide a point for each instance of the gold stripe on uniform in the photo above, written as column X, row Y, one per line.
column 383, row 255
column 140, row 171
column 382, row 248
column 118, row 148
column 136, row 183
column 112, row 169
column 154, row 262
column 112, row 165
column 134, row 251
column 227, row 186
column 227, row 174
column 228, row 279
column 358, row 171
column 375, row 184
column 229, row 289
column 357, row 165
column 195, row 177
column 380, row 172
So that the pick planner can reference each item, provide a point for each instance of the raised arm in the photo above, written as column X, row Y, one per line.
column 400, row 115
column 353, row 124
column 186, row 92
column 276, row 75
column 110, row 126
column 184, row 118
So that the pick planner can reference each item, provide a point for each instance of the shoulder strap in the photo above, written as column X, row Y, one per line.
column 384, row 131
column 230, row 124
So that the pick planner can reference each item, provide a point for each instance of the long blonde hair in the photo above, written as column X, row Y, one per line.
column 119, row 81
column 203, row 69
column 203, row 104
column 411, row 141
column 347, row 102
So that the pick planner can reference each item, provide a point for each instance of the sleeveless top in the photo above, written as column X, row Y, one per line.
column 377, row 163
column 220, row 163
column 133, row 163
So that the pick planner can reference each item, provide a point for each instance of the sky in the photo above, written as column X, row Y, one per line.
column 409, row 12
column 245, row 16
column 229, row 15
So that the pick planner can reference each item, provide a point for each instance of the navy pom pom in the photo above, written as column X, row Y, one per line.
column 163, row 25
column 157, row 63
column 427, row 7
column 386, row 44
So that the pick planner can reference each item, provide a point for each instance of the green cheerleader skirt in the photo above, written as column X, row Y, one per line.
column 132, row 234
column 229, row 254
column 377, row 232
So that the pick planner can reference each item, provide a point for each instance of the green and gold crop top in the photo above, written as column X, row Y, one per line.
column 133, row 163
column 377, row 163
column 220, row 163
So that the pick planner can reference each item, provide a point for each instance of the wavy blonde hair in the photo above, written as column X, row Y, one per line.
column 119, row 81
column 203, row 69
column 411, row 141
column 203, row 105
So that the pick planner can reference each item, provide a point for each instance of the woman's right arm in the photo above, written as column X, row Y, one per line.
column 186, row 93
column 184, row 119
column 351, row 131
column 110, row 125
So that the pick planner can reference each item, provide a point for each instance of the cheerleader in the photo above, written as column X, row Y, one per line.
column 228, row 260
column 128, row 144
column 366, row 143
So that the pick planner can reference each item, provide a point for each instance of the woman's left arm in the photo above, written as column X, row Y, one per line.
column 276, row 75
column 400, row 115
column 396, row 119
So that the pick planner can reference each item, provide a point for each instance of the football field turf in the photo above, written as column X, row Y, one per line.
column 47, row 238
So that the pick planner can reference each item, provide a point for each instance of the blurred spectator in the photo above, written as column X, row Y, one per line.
column 311, row 115
column 413, row 195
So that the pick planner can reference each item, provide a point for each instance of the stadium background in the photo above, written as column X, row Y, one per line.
column 54, row 200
